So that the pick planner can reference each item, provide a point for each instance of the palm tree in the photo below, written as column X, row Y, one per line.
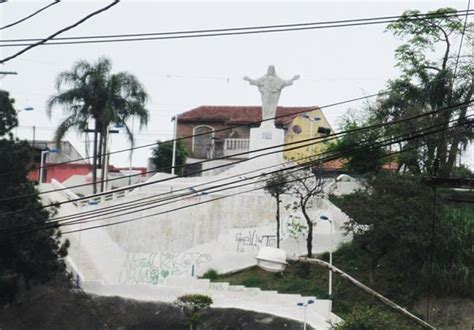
column 91, row 91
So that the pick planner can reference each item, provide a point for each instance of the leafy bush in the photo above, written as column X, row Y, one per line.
column 211, row 274
column 370, row 318
column 193, row 305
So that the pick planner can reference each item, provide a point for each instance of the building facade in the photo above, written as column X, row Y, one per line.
column 224, row 131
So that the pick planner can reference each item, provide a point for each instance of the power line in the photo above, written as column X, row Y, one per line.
column 208, row 190
column 123, row 189
column 215, row 131
column 252, row 183
column 298, row 143
column 240, row 30
column 163, row 212
column 462, row 39
column 43, row 41
column 30, row 16
column 298, row 167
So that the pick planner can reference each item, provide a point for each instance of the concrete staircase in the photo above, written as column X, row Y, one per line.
column 225, row 295
column 95, row 260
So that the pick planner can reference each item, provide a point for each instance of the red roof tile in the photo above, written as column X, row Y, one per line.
column 235, row 115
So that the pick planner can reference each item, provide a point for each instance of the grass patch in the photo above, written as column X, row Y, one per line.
column 312, row 280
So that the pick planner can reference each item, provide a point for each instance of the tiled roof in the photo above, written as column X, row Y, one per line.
column 235, row 115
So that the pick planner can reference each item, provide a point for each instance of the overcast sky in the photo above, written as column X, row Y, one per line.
column 334, row 64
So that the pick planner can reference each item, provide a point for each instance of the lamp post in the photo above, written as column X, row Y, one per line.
column 43, row 154
column 25, row 109
column 16, row 128
column 173, row 160
column 305, row 305
column 326, row 218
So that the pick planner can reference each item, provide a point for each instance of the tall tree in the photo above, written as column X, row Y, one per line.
column 91, row 91
column 163, row 156
column 434, row 76
column 306, row 187
column 8, row 118
column 33, row 256
column 392, row 213
column 361, row 149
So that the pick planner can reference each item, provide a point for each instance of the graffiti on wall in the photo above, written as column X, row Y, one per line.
column 250, row 240
column 154, row 268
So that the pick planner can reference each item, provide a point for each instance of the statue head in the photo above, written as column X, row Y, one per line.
column 271, row 70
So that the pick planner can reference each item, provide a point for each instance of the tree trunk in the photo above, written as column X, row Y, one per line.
column 309, row 238
column 278, row 220
column 373, row 266
column 94, row 160
column 104, row 159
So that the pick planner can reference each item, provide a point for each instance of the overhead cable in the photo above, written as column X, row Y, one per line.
column 29, row 16
column 43, row 41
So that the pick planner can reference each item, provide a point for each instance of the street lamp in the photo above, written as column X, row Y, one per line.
column 305, row 305
column 43, row 154
column 272, row 260
column 173, row 159
column 326, row 218
column 16, row 129
column 25, row 109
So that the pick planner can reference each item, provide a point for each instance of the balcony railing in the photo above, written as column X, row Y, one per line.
column 236, row 146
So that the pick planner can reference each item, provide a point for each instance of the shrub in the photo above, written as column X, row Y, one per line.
column 211, row 274
column 193, row 305
column 253, row 282
column 370, row 318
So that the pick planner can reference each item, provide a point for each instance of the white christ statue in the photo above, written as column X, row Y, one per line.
column 270, row 86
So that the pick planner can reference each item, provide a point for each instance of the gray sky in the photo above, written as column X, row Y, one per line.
column 334, row 64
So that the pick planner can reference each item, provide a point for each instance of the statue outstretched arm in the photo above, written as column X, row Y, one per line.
column 289, row 82
column 251, row 81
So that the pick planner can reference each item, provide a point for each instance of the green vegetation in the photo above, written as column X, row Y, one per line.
column 95, row 93
column 27, row 256
column 394, row 250
column 8, row 118
column 211, row 274
column 193, row 305
column 163, row 155
column 311, row 280
column 370, row 318
column 306, row 187
column 435, row 85
column 363, row 155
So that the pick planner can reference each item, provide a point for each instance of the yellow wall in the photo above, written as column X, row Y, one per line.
column 306, row 128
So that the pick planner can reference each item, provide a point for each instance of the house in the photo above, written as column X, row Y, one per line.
column 53, row 154
column 229, row 131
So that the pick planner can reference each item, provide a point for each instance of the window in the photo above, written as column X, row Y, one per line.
column 203, row 146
